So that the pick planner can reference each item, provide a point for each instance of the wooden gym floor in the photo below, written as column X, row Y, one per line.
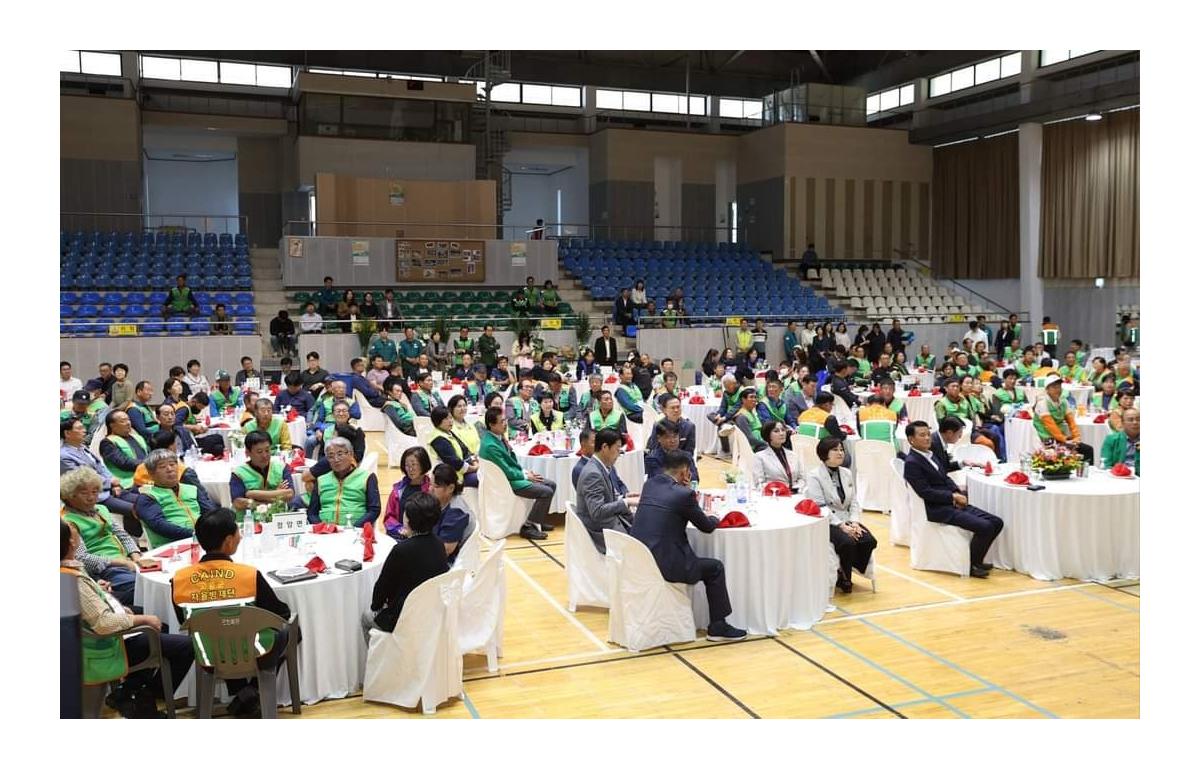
column 926, row 645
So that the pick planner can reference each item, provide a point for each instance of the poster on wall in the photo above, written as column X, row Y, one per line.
column 518, row 254
column 295, row 248
column 396, row 193
column 439, row 261
column 360, row 253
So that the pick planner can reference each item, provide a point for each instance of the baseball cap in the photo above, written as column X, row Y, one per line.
column 81, row 396
column 222, row 374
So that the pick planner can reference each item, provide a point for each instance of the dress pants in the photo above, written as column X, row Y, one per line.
column 121, row 581
column 542, row 493
column 851, row 553
column 176, row 649
column 712, row 573
column 984, row 525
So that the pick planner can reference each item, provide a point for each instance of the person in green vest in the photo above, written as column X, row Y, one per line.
column 520, row 302
column 745, row 339
column 963, row 366
column 263, row 479
column 384, row 346
column 1054, row 420
column 1027, row 366
column 347, row 495
column 266, row 421
column 108, row 553
column 224, row 395
column 924, row 358
column 887, row 390
column 398, row 410
column 774, row 407
column 608, row 416
column 862, row 370
column 1016, row 326
column 524, row 483
column 80, row 402
column 450, row 449
column 169, row 508
column 424, row 399
column 1008, row 397
column 519, row 409
column 533, row 297
column 746, row 419
column 629, row 396
column 122, row 450
column 1071, row 370
column 1124, row 447
column 550, row 298
column 546, row 418
column 141, row 415
column 488, row 347
column 1106, row 397
column 563, row 396
column 107, row 659
column 590, row 400
column 463, row 345
column 480, row 385
column 670, row 315
column 180, row 300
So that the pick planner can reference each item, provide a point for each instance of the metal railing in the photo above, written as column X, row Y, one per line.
column 74, row 221
column 484, row 231
column 153, row 326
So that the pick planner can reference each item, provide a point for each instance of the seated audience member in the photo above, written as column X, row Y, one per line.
column 587, row 365
column 275, row 426
column 78, row 410
column 263, row 479
column 224, row 396
column 672, row 409
column 959, row 405
column 348, row 495
column 1124, row 447
column 1106, row 393
column 629, row 397
column 294, row 396
column 839, row 384
column 322, row 412
column 479, row 386
column 502, row 375
column 887, row 390
column 747, row 420
column 167, row 424
column 424, row 399
column 801, row 398
column 313, row 377
column 418, row 556
column 377, row 374
column 465, row 370
column 818, row 420
column 220, row 322
column 99, row 613
column 546, row 418
column 169, row 508
column 524, row 483
column 1008, row 397
column 108, row 553
column 591, row 399
column 450, row 448
column 667, row 505
column 599, row 503
column 416, row 465
column 1125, row 401
column 116, row 496
column 455, row 525
column 180, row 299
column 341, row 427
column 283, row 334
column 728, row 409
column 122, row 449
column 927, row 475
column 399, row 411
column 1054, row 420
column 141, row 415
column 775, row 461
column 310, row 321
column 667, row 439
column 519, row 409
column 608, row 416
column 217, row 579
column 774, row 407
column 832, row 487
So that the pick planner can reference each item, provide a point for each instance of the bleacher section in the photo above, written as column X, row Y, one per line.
column 473, row 308
column 718, row 279
column 119, row 278
column 896, row 292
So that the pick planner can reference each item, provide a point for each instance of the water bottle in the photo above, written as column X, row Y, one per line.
column 741, row 491
column 248, row 530
column 195, row 553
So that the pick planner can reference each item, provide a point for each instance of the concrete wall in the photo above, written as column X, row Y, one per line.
column 150, row 358
column 535, row 191
column 190, row 173
column 383, row 159
column 100, row 169
column 331, row 256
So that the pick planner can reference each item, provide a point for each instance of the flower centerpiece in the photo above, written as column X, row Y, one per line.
column 1056, row 463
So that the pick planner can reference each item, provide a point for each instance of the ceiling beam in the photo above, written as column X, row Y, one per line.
column 817, row 58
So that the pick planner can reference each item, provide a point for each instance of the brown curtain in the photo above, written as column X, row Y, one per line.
column 976, row 229
column 1090, row 186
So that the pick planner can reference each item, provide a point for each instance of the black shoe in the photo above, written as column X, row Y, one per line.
column 546, row 527
column 845, row 584
column 532, row 533
column 978, row 572
column 245, row 705
column 720, row 631
column 985, row 566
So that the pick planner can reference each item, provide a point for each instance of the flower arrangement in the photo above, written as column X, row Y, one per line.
column 1056, row 461
column 732, row 477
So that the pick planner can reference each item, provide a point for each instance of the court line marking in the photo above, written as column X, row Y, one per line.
column 925, row 584
column 883, row 705
column 562, row 611
column 964, row 601
column 1104, row 599
column 470, row 707
column 555, row 659
column 714, row 684
column 913, row 703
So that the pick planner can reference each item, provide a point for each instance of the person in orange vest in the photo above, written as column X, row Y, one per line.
column 217, row 581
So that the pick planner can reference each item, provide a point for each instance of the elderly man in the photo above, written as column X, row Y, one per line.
column 322, row 413
column 590, row 400
column 168, row 424
column 107, row 552
column 141, row 415
column 262, row 479
column 169, row 508
column 122, row 451
column 1124, row 447
column 347, row 495
column 1054, row 420
column 629, row 397
column 746, row 419
column 526, row 484
column 519, row 410
column 730, row 404
column 224, row 395
column 672, row 409
column 424, row 399
column 265, row 420
column 774, row 407
column 74, row 453
column 598, row 504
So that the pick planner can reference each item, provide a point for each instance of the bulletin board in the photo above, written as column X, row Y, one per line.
column 439, row 261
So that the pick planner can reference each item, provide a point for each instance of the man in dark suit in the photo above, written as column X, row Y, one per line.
column 949, row 432
column 667, row 505
column 606, row 348
column 672, row 410
column 944, row 502
column 840, row 386
column 596, row 500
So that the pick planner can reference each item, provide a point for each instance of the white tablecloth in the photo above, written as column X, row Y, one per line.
column 776, row 571
column 920, row 408
column 1082, row 528
column 706, row 431
column 333, row 653
column 214, row 476
column 631, row 468
column 1021, row 437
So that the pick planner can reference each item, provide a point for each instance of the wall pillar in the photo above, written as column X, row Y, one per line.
column 1029, row 161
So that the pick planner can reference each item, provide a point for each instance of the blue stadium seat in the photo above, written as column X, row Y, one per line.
column 243, row 329
column 244, row 298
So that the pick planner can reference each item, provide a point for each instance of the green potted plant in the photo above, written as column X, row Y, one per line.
column 583, row 330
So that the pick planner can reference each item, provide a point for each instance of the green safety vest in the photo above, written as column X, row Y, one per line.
column 273, row 429
column 926, row 361
column 669, row 318
column 454, row 446
column 1058, row 413
column 406, row 415
column 864, row 366
column 343, row 501
column 104, row 658
column 1009, row 398
column 96, row 531
column 634, row 393
column 148, row 417
column 878, row 429
column 963, row 409
column 564, row 399
column 254, row 481
column 462, row 345
column 181, row 510
column 125, row 476
column 518, row 413
column 224, row 401
column 896, row 405
column 777, row 413
column 181, row 298
column 1074, row 374
column 556, row 421
column 1050, row 336
column 589, row 403
column 474, row 395
column 1027, row 371
column 605, row 422
column 69, row 413
column 752, row 419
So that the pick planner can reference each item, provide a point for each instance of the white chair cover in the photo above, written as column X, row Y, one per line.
column 806, row 449
column 100, row 433
column 420, row 660
column 936, row 546
column 503, row 511
column 370, row 461
column 587, row 573
column 899, row 525
column 874, row 477
column 469, row 553
column 646, row 610
column 396, row 442
column 842, row 411
column 743, row 454
column 423, row 426
column 977, row 453
column 372, row 419
column 481, row 612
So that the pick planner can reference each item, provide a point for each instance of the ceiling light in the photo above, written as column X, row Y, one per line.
column 1092, row 117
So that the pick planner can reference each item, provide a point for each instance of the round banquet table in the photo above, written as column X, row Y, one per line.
column 920, row 408
column 333, row 653
column 631, row 468
column 1081, row 528
column 1021, row 437
column 214, row 476
column 447, row 391
column 777, row 571
column 706, row 431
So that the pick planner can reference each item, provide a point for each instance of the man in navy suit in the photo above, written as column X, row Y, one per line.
column 944, row 503
column 667, row 505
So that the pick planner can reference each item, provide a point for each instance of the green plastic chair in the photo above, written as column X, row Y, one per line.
column 93, row 695
column 809, row 429
column 430, row 296
column 302, row 297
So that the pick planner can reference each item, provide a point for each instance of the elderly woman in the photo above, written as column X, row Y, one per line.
column 832, row 487
column 775, row 461
column 416, row 465
column 459, row 426
column 451, row 450
column 107, row 552
column 73, row 453
column 419, row 556
column 607, row 416
column 169, row 508
column 347, row 495
column 591, row 399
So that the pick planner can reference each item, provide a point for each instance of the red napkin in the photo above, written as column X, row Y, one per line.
column 447, row 387
column 935, row 391
column 776, row 488
column 316, row 565
column 324, row 528
column 291, row 415
column 696, row 400
column 914, row 392
column 1025, row 415
column 847, row 429
column 875, row 390
column 1017, row 478
column 1121, row 470
column 258, row 527
column 921, row 369
column 628, row 443
column 734, row 519
column 368, row 536
column 611, row 380
column 541, row 449
column 1100, row 418
column 809, row 507
column 987, row 468
column 210, row 457
column 274, row 389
